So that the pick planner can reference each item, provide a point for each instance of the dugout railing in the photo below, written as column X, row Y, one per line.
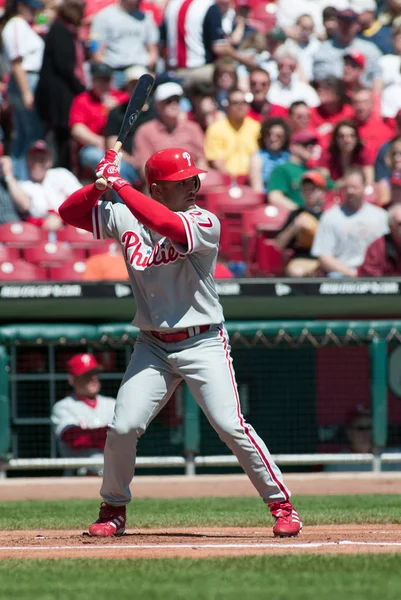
column 297, row 380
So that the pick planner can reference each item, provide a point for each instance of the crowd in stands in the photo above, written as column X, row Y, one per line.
column 293, row 108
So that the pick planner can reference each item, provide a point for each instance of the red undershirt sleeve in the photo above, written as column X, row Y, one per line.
column 77, row 438
column 77, row 209
column 154, row 215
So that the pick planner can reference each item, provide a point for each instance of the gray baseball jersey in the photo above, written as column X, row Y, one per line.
column 70, row 411
column 173, row 285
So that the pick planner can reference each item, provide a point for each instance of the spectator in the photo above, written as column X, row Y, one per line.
column 382, row 168
column 260, row 108
column 388, row 187
column 287, row 88
column 274, row 142
column 89, row 111
column 358, row 431
column 383, row 257
column 230, row 143
column 115, row 119
column 391, row 100
column 371, row 127
column 332, row 108
column 330, row 22
column 305, row 45
column 169, row 129
column 354, row 66
column 241, row 27
column 8, row 208
column 346, row 149
column 389, row 11
column 288, row 13
column 106, row 266
column 40, row 195
column 224, row 80
column 300, row 228
column 204, row 109
column 61, row 76
column 329, row 60
column 371, row 29
column 23, row 50
column 194, row 38
column 299, row 116
column 127, row 36
column 346, row 231
column 390, row 63
column 261, row 47
column 285, row 180
column 81, row 420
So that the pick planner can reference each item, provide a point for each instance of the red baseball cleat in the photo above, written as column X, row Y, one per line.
column 111, row 521
column 288, row 523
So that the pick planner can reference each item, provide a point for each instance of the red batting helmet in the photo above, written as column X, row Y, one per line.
column 171, row 164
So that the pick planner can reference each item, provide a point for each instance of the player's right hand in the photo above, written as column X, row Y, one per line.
column 109, row 159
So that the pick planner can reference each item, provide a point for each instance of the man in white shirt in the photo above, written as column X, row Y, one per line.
column 305, row 45
column 287, row 88
column 40, row 196
column 345, row 231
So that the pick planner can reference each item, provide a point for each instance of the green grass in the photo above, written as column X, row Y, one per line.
column 201, row 512
column 306, row 577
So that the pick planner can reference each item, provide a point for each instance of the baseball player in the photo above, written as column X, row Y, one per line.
column 81, row 419
column 170, row 247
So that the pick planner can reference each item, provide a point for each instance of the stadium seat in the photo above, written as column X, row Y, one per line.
column 7, row 253
column 78, row 238
column 69, row 271
column 226, row 198
column 48, row 254
column 19, row 234
column 20, row 270
column 268, row 219
column 266, row 260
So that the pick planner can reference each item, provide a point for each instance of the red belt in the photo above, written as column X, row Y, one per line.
column 180, row 336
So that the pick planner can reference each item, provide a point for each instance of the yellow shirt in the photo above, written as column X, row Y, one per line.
column 234, row 146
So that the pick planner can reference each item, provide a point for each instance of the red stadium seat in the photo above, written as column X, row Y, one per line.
column 238, row 198
column 68, row 271
column 20, row 270
column 19, row 234
column 267, row 260
column 267, row 218
column 7, row 253
column 101, row 247
column 79, row 238
column 47, row 254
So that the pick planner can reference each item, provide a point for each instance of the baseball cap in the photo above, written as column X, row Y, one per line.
column 277, row 34
column 39, row 146
column 80, row 364
column 306, row 136
column 357, row 57
column 316, row 178
column 134, row 73
column 347, row 14
column 101, row 70
column 167, row 90
column 359, row 410
column 35, row 4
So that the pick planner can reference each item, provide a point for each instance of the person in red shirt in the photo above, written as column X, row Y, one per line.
column 383, row 256
column 354, row 66
column 332, row 108
column 346, row 149
column 89, row 111
column 372, row 129
column 260, row 108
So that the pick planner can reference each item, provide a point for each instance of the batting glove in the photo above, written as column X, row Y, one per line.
column 108, row 169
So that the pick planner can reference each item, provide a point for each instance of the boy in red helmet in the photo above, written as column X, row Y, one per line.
column 170, row 246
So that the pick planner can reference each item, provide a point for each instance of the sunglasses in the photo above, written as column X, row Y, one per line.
column 238, row 102
column 361, row 428
column 171, row 100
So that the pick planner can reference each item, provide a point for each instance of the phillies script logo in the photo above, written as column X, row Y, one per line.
column 142, row 257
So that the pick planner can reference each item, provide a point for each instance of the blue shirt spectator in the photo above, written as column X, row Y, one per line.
column 273, row 151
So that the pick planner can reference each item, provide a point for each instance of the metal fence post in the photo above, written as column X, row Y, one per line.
column 4, row 410
column 191, row 431
column 378, row 358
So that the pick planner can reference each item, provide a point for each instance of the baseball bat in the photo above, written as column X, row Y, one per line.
column 135, row 106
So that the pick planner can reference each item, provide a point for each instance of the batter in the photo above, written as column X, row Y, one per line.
column 170, row 246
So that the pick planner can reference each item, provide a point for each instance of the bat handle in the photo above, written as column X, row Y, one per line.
column 101, row 183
